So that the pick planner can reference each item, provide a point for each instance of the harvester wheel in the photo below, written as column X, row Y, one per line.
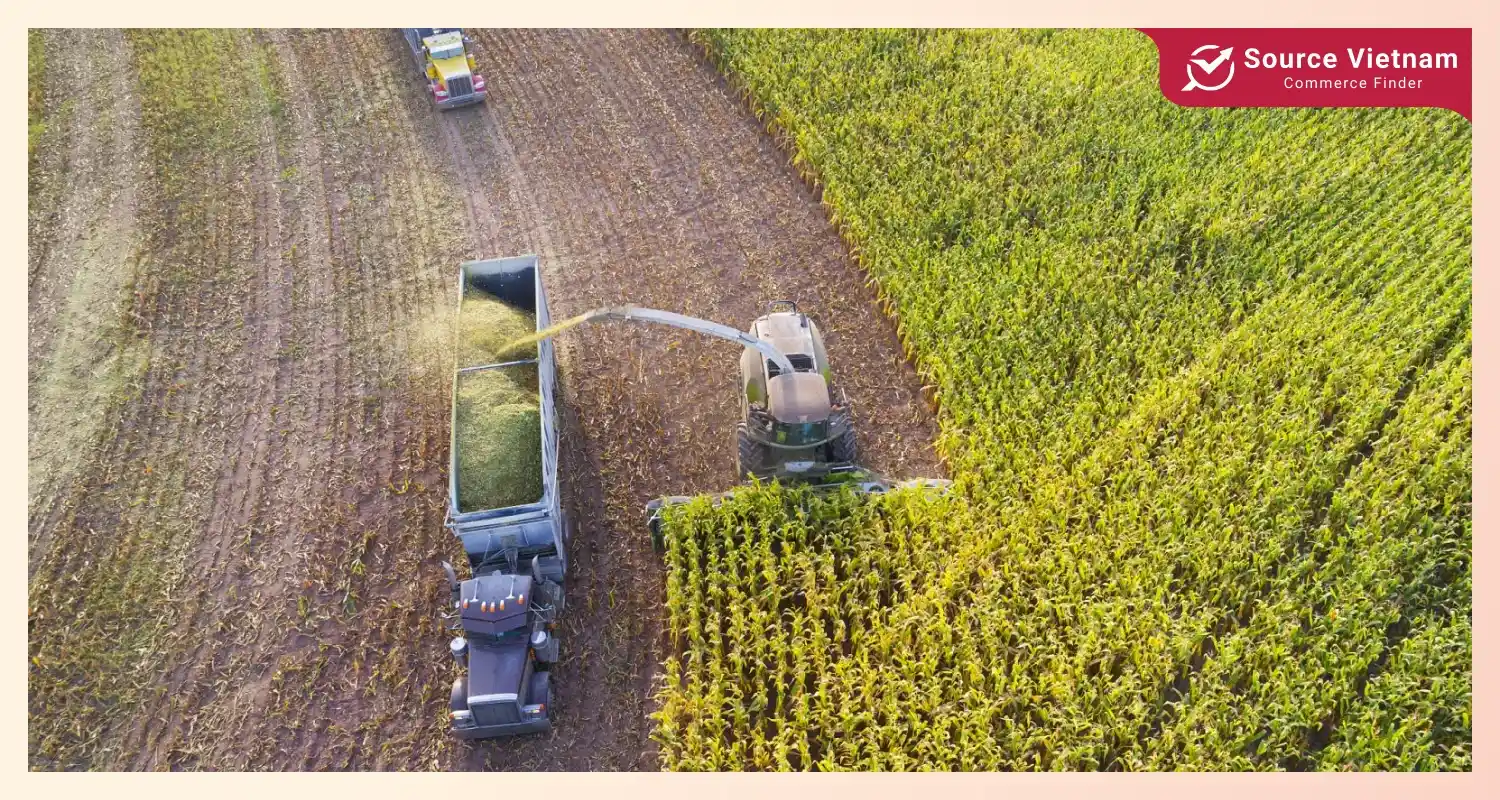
column 750, row 454
column 843, row 449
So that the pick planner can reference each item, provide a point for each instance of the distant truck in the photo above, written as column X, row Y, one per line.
column 505, row 611
column 446, row 58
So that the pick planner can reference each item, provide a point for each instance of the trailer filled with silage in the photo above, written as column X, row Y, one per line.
column 502, row 404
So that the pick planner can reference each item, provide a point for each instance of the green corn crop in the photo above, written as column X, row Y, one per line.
column 1205, row 384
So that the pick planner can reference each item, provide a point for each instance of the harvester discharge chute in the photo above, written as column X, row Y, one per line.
column 795, row 426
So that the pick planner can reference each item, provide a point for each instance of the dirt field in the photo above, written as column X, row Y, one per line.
column 239, row 411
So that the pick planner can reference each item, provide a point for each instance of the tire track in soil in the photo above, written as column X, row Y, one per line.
column 91, row 223
column 330, row 458
column 82, row 234
column 166, row 427
column 642, row 179
column 307, row 244
column 78, row 171
column 315, row 423
column 222, row 565
column 368, row 678
column 305, row 400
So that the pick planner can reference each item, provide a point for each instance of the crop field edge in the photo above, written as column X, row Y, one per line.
column 784, row 141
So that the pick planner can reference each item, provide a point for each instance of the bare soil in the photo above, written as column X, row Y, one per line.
column 266, row 488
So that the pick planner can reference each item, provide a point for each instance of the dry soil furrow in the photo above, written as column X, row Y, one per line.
column 626, row 208
column 294, row 455
column 304, row 452
column 85, row 238
column 331, row 181
column 133, row 526
column 680, row 165
column 507, row 176
column 146, row 491
column 374, row 527
column 47, row 174
column 545, row 132
column 245, row 244
column 697, row 261
column 79, row 166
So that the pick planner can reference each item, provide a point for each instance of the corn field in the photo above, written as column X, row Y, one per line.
column 1204, row 385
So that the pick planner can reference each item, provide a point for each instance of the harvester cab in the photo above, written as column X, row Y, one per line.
column 505, row 646
column 792, row 427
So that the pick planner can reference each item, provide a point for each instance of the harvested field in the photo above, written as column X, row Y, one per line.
column 240, row 308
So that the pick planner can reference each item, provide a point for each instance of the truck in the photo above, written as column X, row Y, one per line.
column 504, row 614
column 445, row 57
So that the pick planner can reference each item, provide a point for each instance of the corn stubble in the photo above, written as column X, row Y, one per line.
column 1204, row 380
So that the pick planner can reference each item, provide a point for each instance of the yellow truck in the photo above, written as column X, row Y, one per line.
column 446, row 58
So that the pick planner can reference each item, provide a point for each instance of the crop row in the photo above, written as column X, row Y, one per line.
column 1188, row 362
column 106, row 591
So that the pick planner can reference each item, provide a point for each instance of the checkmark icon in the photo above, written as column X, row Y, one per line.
column 1210, row 66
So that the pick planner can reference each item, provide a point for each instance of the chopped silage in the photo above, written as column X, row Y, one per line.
column 486, row 325
column 498, row 427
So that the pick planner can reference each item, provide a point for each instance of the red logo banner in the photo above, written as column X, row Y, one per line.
column 1316, row 67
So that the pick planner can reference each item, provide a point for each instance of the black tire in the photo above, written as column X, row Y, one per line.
column 658, row 543
column 750, row 456
column 843, row 450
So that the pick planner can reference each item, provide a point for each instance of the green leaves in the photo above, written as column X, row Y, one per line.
column 1204, row 380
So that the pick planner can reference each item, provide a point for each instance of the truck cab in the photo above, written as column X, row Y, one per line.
column 507, row 650
column 446, row 58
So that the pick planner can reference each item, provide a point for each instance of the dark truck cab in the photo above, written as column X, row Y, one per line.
column 507, row 649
